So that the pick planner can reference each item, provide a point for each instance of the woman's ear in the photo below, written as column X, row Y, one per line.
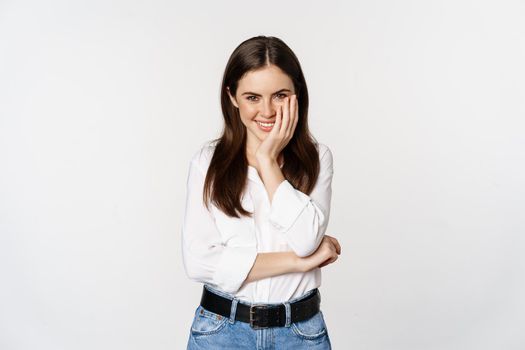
column 231, row 97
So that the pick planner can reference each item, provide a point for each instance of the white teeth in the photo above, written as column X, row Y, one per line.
column 265, row 124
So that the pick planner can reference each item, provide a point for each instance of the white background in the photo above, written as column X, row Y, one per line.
column 421, row 102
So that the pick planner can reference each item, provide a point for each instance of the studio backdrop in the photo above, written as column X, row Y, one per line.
column 102, row 104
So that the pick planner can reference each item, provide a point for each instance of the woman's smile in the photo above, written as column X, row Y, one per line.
column 265, row 126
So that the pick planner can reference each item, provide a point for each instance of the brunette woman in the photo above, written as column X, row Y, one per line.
column 257, row 208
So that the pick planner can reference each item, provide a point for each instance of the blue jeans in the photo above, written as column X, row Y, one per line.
column 212, row 331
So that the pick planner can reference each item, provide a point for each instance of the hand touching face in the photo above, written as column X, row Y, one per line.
column 282, row 132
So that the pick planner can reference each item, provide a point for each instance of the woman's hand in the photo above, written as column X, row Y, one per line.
column 327, row 253
column 282, row 131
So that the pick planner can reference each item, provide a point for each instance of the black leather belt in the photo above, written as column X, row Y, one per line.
column 262, row 315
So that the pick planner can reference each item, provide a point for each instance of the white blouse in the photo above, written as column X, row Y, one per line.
column 220, row 251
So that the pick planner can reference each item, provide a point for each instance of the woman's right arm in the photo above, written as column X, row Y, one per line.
column 205, row 258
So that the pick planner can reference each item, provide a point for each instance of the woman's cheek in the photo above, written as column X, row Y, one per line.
column 248, row 111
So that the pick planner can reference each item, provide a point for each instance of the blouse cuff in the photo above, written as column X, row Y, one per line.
column 287, row 204
column 233, row 267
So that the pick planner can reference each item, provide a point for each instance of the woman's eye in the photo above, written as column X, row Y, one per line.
column 254, row 98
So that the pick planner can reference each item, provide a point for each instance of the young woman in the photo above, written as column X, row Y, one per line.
column 257, row 208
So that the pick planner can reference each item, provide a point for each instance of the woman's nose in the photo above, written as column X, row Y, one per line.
column 268, row 109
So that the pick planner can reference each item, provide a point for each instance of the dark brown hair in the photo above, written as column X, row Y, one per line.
column 227, row 174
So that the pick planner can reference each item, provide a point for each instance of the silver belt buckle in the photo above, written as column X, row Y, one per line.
column 252, row 313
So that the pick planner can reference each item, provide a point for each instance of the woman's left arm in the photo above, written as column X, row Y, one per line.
column 302, row 218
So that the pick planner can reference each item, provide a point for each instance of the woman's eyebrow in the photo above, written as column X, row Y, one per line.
column 256, row 94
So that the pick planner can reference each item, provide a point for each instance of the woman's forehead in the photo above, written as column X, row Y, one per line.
column 265, row 80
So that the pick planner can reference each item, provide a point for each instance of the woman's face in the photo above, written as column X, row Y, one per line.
column 258, row 95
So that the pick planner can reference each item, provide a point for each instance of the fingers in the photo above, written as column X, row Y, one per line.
column 278, row 120
column 286, row 117
column 335, row 242
column 291, row 102
column 293, row 109
column 295, row 114
column 290, row 115
column 285, row 123
column 337, row 245
column 329, row 261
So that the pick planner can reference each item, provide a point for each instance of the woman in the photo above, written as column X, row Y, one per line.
column 257, row 207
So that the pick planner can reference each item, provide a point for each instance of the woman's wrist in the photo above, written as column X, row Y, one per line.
column 266, row 161
column 301, row 264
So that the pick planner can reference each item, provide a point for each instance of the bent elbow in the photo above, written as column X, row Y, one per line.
column 304, row 253
column 306, row 244
column 305, row 250
column 191, row 272
column 195, row 270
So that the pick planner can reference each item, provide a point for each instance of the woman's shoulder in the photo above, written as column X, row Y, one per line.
column 202, row 156
column 323, row 150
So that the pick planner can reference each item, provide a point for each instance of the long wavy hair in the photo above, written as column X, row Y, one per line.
column 227, row 174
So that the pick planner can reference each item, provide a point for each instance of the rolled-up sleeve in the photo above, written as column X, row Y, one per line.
column 206, row 258
column 302, row 218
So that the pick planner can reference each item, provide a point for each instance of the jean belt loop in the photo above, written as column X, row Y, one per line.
column 288, row 314
column 233, row 310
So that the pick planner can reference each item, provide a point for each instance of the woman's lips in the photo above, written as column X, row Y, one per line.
column 265, row 128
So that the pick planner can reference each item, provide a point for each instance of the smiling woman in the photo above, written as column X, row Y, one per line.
column 257, row 207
